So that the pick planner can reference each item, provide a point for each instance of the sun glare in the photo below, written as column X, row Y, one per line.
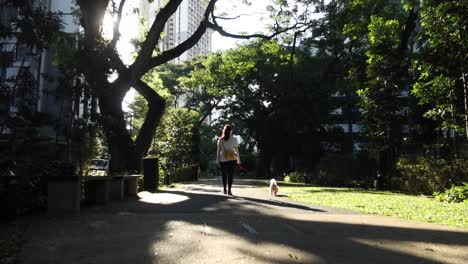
column 161, row 198
column 128, row 28
column 107, row 26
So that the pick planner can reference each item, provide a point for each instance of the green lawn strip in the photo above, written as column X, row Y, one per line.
column 418, row 208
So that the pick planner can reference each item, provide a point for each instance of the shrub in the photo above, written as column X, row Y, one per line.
column 248, row 161
column 430, row 175
column 59, row 168
column 345, row 170
column 184, row 174
column 331, row 174
column 455, row 194
column 31, row 192
column 295, row 176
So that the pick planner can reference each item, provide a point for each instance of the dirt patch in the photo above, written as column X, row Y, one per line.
column 11, row 240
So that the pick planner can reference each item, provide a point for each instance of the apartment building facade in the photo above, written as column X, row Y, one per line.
column 33, row 95
column 180, row 26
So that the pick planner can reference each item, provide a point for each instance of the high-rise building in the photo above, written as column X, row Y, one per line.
column 180, row 26
column 32, row 87
column 37, row 64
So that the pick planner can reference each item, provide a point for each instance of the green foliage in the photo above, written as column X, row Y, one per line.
column 380, row 98
column 184, row 174
column 440, row 64
column 58, row 168
column 455, row 194
column 386, row 79
column 153, row 79
column 264, row 93
column 139, row 105
column 208, row 148
column 249, row 159
column 435, row 91
column 354, row 170
column 383, row 34
column 176, row 143
column 181, row 139
column 139, row 109
column 367, row 42
column 430, row 175
column 64, row 50
column 296, row 176
column 170, row 74
column 174, row 137
column 34, row 27
column 331, row 175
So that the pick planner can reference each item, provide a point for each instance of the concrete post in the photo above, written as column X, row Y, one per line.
column 64, row 194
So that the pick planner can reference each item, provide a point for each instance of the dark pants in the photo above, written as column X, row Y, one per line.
column 227, row 172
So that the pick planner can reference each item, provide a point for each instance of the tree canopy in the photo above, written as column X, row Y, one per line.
column 97, row 59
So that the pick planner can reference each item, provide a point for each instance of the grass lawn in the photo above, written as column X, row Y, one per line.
column 419, row 208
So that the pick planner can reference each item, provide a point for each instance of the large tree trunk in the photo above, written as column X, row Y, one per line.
column 120, row 144
column 156, row 106
column 126, row 154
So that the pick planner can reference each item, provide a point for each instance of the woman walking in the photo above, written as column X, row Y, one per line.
column 227, row 155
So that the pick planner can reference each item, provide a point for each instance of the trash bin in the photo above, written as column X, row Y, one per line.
column 195, row 173
column 150, row 174
column 9, row 186
column 377, row 180
column 8, row 194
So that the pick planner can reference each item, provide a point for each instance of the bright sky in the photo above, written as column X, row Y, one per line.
column 253, row 19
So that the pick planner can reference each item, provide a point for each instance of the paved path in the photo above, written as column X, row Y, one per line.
column 195, row 223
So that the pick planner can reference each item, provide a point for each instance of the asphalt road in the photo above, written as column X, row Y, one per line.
column 195, row 223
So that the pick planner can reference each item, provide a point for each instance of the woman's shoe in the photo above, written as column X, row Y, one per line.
column 229, row 192
column 224, row 192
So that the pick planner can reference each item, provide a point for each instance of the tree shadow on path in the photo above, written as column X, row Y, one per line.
column 185, row 226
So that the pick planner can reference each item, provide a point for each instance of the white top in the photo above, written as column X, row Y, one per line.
column 230, row 144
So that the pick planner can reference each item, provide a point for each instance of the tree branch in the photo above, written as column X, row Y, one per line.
column 116, row 31
column 407, row 30
column 92, row 13
column 187, row 44
column 145, row 62
column 236, row 17
column 224, row 33
column 156, row 106
column 208, row 112
column 153, row 36
column 216, row 27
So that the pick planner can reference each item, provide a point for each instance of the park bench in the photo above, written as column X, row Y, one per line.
column 101, row 189
column 122, row 185
column 97, row 189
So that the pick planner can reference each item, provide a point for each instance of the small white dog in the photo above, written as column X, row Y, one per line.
column 273, row 187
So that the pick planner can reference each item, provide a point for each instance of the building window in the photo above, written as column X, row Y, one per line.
column 6, row 14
